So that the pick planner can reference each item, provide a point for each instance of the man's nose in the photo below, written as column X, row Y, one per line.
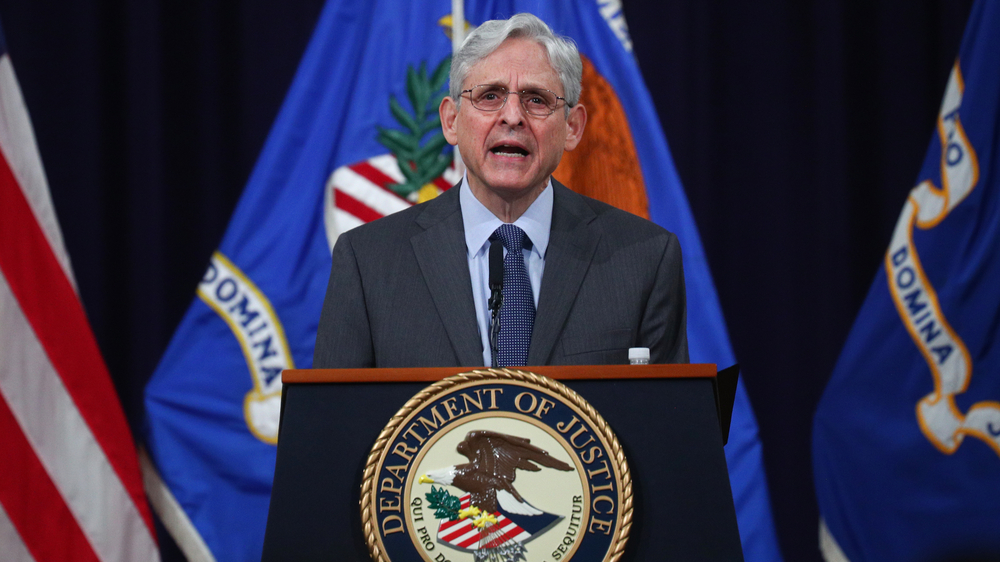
column 512, row 112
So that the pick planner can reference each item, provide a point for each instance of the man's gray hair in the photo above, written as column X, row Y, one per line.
column 563, row 54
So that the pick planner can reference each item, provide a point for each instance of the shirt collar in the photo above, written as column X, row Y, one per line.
column 480, row 222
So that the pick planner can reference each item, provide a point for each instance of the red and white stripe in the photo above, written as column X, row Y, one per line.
column 70, row 486
column 463, row 534
column 360, row 193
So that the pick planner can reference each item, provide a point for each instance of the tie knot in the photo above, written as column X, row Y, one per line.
column 513, row 237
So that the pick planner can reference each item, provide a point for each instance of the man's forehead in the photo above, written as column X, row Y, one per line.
column 517, row 57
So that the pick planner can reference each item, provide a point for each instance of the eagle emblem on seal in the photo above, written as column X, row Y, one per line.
column 492, row 519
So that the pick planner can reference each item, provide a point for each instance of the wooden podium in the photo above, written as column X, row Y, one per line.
column 670, row 419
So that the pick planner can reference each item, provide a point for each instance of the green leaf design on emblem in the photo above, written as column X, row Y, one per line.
column 445, row 505
column 419, row 144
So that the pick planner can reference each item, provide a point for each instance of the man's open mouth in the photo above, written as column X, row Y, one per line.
column 509, row 150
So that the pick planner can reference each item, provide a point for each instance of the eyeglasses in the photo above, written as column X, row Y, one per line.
column 537, row 102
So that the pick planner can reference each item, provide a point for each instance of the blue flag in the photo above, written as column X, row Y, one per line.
column 358, row 138
column 906, row 441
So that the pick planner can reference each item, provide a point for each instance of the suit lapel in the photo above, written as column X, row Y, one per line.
column 441, row 255
column 572, row 244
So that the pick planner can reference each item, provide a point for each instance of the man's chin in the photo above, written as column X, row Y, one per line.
column 515, row 189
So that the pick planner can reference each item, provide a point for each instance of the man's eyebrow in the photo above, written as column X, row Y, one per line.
column 532, row 87
column 529, row 87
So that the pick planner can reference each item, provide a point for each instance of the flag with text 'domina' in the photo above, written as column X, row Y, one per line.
column 906, row 439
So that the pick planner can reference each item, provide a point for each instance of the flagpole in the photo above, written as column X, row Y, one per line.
column 457, row 38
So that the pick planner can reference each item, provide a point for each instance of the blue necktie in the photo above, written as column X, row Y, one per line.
column 517, row 314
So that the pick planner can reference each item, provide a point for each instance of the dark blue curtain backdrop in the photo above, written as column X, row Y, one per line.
column 797, row 127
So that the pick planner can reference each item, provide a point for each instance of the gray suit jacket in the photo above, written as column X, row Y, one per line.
column 400, row 294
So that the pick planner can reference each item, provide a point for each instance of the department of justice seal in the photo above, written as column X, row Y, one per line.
column 496, row 465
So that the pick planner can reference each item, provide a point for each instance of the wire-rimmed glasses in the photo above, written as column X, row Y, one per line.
column 491, row 97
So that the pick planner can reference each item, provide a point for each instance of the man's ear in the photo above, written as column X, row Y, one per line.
column 576, row 121
column 448, row 112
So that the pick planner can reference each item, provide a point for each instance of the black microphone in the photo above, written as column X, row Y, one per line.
column 496, row 294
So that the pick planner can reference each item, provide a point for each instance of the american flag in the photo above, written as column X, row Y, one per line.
column 69, row 477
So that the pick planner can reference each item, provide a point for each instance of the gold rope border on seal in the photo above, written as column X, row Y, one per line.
column 368, row 518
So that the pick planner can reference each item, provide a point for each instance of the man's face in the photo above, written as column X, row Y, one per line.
column 508, row 152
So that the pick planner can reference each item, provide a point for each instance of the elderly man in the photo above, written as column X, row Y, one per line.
column 582, row 281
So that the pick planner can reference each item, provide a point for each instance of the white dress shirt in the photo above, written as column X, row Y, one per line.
column 480, row 223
